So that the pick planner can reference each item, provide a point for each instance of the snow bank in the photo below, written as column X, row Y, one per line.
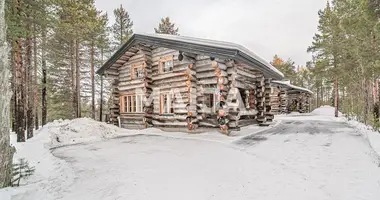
column 373, row 137
column 326, row 110
column 50, row 172
column 67, row 132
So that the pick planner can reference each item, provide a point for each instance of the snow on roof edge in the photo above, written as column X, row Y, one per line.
column 287, row 83
column 265, row 66
column 217, row 43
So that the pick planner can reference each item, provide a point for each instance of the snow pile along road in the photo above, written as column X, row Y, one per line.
column 68, row 132
column 325, row 111
column 371, row 135
column 52, row 175
column 366, row 131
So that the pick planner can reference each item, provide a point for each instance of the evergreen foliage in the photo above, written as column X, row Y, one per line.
column 346, row 51
column 166, row 27
column 122, row 28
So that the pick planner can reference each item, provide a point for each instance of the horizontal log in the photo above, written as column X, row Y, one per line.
column 220, row 66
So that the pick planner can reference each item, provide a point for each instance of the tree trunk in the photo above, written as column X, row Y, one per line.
column 29, row 84
column 35, row 75
column 19, row 83
column 322, row 97
column 336, row 97
column 92, row 81
column 317, row 99
column 6, row 151
column 101, row 90
column 13, row 86
column 44, row 74
column 73, row 81
column 101, row 99
column 77, row 67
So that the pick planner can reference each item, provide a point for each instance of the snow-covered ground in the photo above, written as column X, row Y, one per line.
column 301, row 156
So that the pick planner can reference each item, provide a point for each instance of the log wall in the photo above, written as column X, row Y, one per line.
column 180, row 85
column 206, row 90
column 239, row 94
column 128, row 84
column 284, row 103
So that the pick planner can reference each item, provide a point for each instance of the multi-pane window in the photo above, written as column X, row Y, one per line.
column 132, row 103
column 166, row 104
column 137, row 71
column 166, row 64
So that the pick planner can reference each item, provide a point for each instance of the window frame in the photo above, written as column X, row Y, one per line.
column 213, row 103
column 169, row 104
column 131, row 103
column 135, row 67
column 164, row 60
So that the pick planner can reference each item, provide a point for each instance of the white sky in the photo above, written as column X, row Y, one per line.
column 267, row 27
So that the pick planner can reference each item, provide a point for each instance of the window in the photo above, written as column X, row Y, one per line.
column 210, row 101
column 137, row 71
column 166, row 104
column 166, row 64
column 132, row 103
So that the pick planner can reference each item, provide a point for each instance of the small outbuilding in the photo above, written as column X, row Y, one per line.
column 286, row 98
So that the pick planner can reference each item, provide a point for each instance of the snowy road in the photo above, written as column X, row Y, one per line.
column 302, row 158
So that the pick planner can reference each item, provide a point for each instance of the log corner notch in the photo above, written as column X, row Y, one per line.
column 260, row 97
column 222, row 81
column 268, row 100
column 191, row 119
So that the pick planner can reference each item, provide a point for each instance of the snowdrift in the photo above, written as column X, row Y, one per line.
column 68, row 132
column 326, row 111
column 372, row 136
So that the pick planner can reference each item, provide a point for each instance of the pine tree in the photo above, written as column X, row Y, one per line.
column 122, row 28
column 69, row 47
column 166, row 27
column 97, row 38
column 287, row 68
column 6, row 151
column 19, row 73
column 345, row 51
column 28, row 72
column 104, row 49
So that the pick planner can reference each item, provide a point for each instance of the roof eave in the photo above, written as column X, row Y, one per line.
column 262, row 67
column 226, row 53
column 294, row 87
column 117, row 55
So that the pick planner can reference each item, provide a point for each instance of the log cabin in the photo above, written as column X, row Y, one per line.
column 286, row 98
column 185, row 83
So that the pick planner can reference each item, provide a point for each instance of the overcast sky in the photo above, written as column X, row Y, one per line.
column 267, row 27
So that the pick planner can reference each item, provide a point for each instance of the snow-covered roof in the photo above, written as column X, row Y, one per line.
column 215, row 48
column 287, row 84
